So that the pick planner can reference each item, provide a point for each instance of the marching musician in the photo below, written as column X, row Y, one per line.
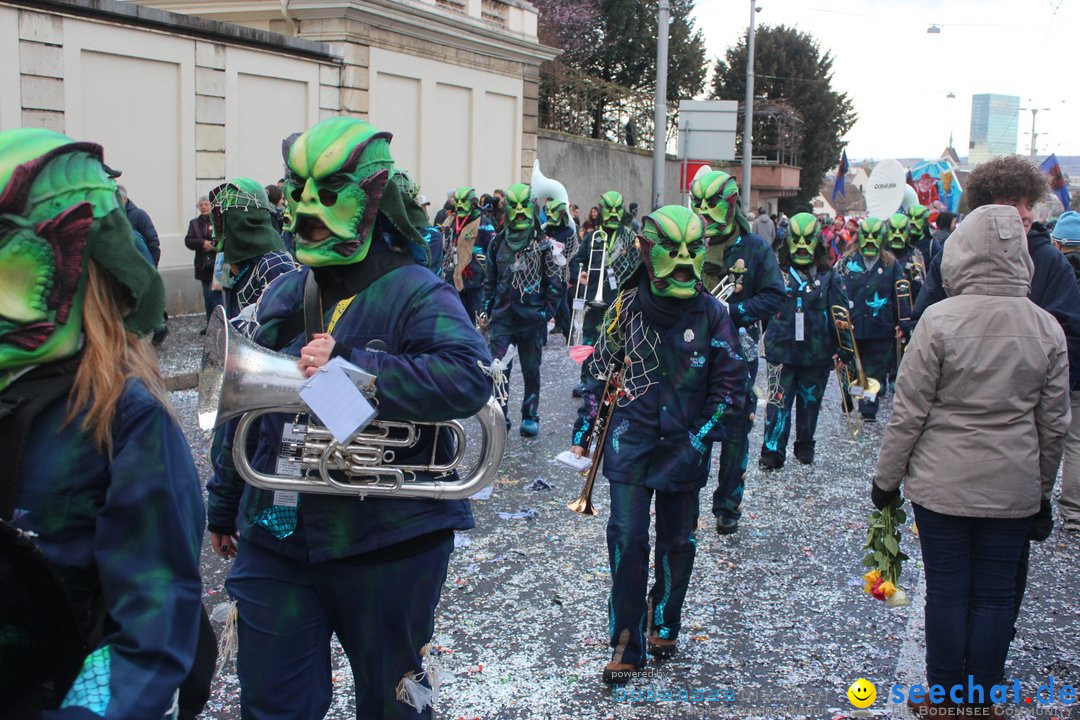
column 746, row 262
column 921, row 236
column 870, row 274
column 682, row 371
column 559, row 229
column 311, row 565
column 603, row 262
column 800, row 343
column 98, row 474
column 900, row 241
column 522, row 288
column 468, row 233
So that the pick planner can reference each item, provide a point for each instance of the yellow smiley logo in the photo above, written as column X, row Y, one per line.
column 862, row 693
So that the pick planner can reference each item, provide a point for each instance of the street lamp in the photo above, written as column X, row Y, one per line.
column 1034, row 135
column 748, row 114
column 660, row 111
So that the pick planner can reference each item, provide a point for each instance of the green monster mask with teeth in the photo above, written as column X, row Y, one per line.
column 918, row 216
column 337, row 172
column 611, row 210
column 804, row 233
column 520, row 216
column 716, row 198
column 898, row 232
column 58, row 208
column 672, row 243
column 466, row 204
column 871, row 236
column 556, row 214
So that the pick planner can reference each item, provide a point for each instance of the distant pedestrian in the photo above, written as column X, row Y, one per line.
column 199, row 238
column 1066, row 236
column 763, row 225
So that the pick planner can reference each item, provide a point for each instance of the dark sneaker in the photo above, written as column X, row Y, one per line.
column 659, row 647
column 770, row 461
column 618, row 673
column 159, row 335
column 727, row 525
column 868, row 417
column 578, row 390
column 806, row 457
column 530, row 428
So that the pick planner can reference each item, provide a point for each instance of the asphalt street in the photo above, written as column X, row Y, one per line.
column 775, row 624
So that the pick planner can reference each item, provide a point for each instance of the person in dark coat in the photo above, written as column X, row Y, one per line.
column 561, row 230
column 468, row 232
column 311, row 565
column 199, row 238
column 801, row 343
column 682, row 371
column 920, row 234
column 747, row 262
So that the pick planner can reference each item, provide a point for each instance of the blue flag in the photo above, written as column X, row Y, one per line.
column 1058, row 185
column 838, row 186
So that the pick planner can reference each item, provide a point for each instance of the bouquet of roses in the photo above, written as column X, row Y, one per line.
column 884, row 556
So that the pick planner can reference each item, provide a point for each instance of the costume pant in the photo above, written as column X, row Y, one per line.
column 1069, row 500
column 971, row 570
column 594, row 318
column 788, row 383
column 530, row 345
column 631, row 615
column 472, row 299
column 562, row 315
column 735, row 451
column 381, row 606
column 878, row 358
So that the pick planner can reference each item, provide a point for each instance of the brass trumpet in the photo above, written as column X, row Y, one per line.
column 845, row 332
column 241, row 379
column 597, row 437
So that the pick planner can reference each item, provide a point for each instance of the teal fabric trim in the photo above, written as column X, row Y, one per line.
column 91, row 687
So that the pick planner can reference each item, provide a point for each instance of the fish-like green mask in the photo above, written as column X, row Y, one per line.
column 898, row 232
column 466, row 204
column 672, row 243
column 611, row 210
column 804, row 233
column 520, row 216
column 871, row 236
column 716, row 195
column 919, row 216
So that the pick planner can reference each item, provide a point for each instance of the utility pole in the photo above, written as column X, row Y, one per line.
column 748, row 114
column 660, row 111
column 1034, row 135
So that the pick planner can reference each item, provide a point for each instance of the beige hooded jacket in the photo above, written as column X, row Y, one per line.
column 982, row 402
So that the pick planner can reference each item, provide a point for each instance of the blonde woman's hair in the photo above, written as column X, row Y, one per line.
column 110, row 356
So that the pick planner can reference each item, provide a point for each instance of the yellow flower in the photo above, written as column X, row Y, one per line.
column 887, row 589
column 872, row 577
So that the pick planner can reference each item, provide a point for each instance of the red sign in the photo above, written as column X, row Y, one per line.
column 690, row 168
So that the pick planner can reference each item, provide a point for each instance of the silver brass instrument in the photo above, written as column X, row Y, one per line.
column 242, row 379
column 903, row 313
column 724, row 289
column 845, row 331
column 581, row 290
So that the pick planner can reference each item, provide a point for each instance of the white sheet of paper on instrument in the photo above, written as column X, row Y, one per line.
column 570, row 460
column 334, row 395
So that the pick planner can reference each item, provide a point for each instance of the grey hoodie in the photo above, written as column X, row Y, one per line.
column 982, row 403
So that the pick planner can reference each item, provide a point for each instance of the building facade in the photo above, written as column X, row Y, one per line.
column 994, row 126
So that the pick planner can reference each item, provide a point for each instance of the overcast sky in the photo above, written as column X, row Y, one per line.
column 899, row 76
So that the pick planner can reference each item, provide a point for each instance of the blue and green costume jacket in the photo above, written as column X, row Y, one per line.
column 871, row 287
column 622, row 260
column 681, row 382
column 123, row 531
column 472, row 275
column 811, row 292
column 521, row 287
column 762, row 288
column 408, row 329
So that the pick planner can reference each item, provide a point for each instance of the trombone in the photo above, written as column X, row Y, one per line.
column 581, row 291
column 903, row 314
column 845, row 333
column 724, row 289
column 597, row 437
column 847, row 402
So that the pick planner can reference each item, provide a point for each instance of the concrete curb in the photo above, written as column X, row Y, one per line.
column 182, row 381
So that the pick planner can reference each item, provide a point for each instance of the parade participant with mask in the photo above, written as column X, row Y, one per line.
column 800, row 343
column 98, row 475
column 870, row 273
column 467, row 233
column 521, row 291
column 558, row 228
column 921, row 235
column 313, row 565
column 611, row 254
column 746, row 262
column 681, row 372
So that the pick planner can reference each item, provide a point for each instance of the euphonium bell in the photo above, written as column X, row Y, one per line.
column 242, row 379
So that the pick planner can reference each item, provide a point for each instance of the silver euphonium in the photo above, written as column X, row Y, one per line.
column 241, row 379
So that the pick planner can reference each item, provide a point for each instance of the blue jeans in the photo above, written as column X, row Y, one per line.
column 211, row 298
column 631, row 614
column 971, row 571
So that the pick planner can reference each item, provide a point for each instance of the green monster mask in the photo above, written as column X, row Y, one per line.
column 871, row 236
column 802, row 240
column 672, row 242
column 337, row 172
column 556, row 214
column 898, row 232
column 611, row 210
column 58, row 208
column 520, row 216
column 465, row 202
column 716, row 198
column 919, row 216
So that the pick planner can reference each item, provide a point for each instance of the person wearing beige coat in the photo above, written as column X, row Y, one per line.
column 976, row 435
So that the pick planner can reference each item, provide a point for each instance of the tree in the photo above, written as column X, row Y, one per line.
column 615, row 41
column 789, row 65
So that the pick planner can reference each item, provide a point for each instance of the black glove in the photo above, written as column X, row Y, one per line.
column 882, row 498
column 1042, row 522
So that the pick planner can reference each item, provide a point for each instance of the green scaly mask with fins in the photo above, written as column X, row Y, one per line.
column 716, row 197
column 804, row 232
column 337, row 172
column 672, row 243
column 556, row 214
column 466, row 204
column 58, row 209
column 520, row 216
column 919, row 216
column 871, row 236
column 898, row 232
column 611, row 211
